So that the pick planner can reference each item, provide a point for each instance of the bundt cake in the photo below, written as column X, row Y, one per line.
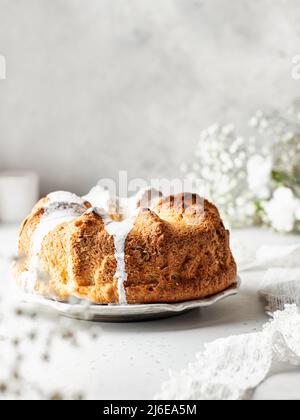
column 146, row 249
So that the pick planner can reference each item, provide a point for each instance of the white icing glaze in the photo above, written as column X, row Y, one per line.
column 147, row 197
column 55, row 214
column 64, row 207
column 98, row 197
column 65, row 197
column 119, row 231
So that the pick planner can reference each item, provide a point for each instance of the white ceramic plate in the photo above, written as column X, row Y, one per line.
column 128, row 313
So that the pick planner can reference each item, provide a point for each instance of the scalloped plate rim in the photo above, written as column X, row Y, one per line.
column 124, row 312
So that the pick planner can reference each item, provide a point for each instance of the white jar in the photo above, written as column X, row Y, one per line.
column 19, row 191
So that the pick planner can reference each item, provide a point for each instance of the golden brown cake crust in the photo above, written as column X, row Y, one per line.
column 172, row 254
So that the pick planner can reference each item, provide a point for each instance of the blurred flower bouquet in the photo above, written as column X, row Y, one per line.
column 255, row 180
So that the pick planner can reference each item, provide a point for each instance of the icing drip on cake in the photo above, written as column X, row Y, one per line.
column 100, row 199
column 65, row 197
column 119, row 231
column 62, row 207
column 55, row 215
column 102, row 205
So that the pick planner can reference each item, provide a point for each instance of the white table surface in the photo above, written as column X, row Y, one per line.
column 130, row 361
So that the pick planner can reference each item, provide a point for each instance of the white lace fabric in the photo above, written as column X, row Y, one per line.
column 281, row 282
column 231, row 368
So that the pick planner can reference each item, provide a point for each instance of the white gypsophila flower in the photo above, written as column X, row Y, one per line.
column 250, row 209
column 281, row 210
column 259, row 171
column 220, row 161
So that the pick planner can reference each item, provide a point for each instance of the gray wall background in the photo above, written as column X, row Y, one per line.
column 101, row 85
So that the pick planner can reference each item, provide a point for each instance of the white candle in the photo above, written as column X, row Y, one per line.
column 19, row 191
